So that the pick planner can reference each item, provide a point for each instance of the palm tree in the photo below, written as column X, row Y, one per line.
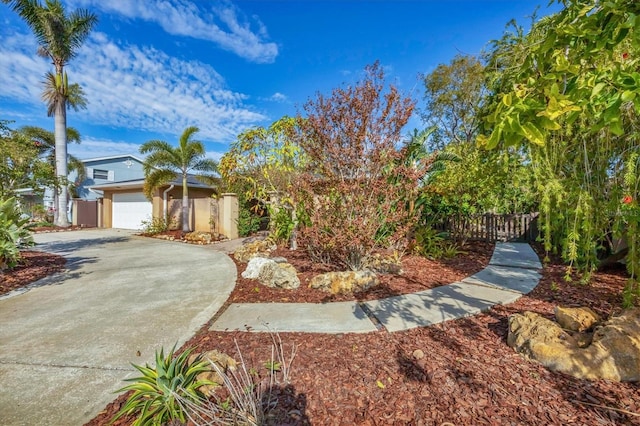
column 165, row 163
column 59, row 36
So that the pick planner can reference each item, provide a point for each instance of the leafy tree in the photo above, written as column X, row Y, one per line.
column 59, row 35
column 480, row 181
column 349, row 140
column 262, row 165
column 21, row 165
column 44, row 141
column 568, row 90
column 453, row 96
column 165, row 163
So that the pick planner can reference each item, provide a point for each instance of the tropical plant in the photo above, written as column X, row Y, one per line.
column 568, row 92
column 156, row 394
column 263, row 164
column 14, row 233
column 166, row 163
column 44, row 140
column 60, row 36
column 21, row 165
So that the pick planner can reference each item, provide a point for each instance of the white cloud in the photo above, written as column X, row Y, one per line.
column 94, row 148
column 222, row 23
column 278, row 97
column 133, row 87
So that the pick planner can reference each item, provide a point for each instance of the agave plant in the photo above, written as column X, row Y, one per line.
column 156, row 394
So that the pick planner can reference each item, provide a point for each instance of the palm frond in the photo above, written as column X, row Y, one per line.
column 155, row 179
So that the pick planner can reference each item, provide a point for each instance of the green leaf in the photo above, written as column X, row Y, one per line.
column 533, row 134
column 597, row 89
column 628, row 95
column 506, row 99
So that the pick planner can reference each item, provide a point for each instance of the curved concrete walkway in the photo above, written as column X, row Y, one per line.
column 68, row 342
column 512, row 272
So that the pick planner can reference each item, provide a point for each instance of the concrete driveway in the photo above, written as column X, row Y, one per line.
column 68, row 342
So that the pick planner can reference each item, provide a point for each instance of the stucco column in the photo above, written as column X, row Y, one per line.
column 228, row 215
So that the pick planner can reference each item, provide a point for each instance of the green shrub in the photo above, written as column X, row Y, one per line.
column 14, row 233
column 248, row 223
column 158, row 393
column 430, row 243
column 282, row 225
column 157, row 225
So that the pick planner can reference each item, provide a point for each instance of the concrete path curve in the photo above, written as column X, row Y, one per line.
column 67, row 343
column 512, row 272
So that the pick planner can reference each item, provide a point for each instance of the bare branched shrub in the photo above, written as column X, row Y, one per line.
column 245, row 398
column 355, row 185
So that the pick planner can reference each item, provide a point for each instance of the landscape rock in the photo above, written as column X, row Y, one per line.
column 254, row 266
column 198, row 237
column 223, row 361
column 345, row 282
column 614, row 352
column 418, row 354
column 384, row 264
column 279, row 275
column 576, row 319
column 260, row 248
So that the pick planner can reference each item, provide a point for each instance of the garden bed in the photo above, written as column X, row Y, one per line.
column 419, row 274
column 466, row 376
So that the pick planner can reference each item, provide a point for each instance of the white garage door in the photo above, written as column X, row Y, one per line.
column 129, row 210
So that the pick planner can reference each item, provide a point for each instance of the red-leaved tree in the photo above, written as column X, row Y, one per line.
column 354, row 189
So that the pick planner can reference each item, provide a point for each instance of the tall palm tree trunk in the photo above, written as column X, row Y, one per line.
column 185, row 204
column 60, row 132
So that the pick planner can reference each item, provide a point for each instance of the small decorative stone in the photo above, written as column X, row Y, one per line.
column 223, row 361
column 418, row 354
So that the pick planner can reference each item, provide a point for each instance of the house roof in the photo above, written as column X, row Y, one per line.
column 192, row 182
column 112, row 157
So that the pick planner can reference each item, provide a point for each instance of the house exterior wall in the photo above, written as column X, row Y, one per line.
column 199, row 207
column 118, row 169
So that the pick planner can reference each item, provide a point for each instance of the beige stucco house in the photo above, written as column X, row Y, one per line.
column 125, row 206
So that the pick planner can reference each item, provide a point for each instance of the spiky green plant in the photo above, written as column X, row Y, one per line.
column 155, row 393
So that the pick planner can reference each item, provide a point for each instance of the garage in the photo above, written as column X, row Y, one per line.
column 130, row 210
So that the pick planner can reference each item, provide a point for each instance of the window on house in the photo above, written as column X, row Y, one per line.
column 100, row 174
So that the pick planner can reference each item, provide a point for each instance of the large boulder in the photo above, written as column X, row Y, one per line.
column 345, row 282
column 613, row 353
column 260, row 248
column 279, row 275
column 254, row 266
column 576, row 319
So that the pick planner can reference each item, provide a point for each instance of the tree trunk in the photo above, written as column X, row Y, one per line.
column 185, row 204
column 60, row 132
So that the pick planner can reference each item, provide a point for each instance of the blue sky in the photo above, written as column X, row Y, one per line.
column 151, row 68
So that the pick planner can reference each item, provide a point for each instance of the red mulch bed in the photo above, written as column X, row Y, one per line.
column 419, row 274
column 468, row 376
column 33, row 266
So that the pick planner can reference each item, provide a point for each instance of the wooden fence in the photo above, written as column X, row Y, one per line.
column 492, row 227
